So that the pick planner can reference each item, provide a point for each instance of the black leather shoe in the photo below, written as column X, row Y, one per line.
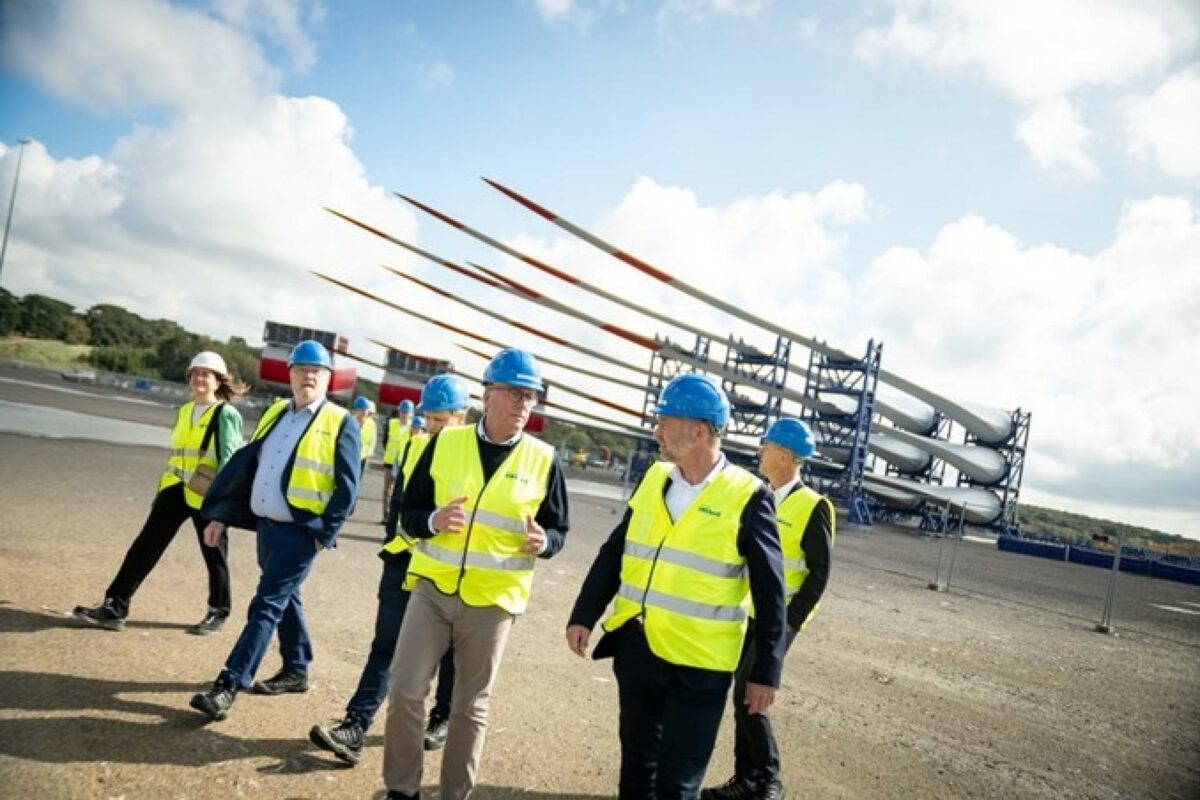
column 104, row 616
column 282, row 682
column 344, row 740
column 738, row 787
column 770, row 789
column 435, row 732
column 402, row 796
column 216, row 702
column 213, row 621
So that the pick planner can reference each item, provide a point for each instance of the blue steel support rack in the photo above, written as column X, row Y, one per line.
column 847, row 434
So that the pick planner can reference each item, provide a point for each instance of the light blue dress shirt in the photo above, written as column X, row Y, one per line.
column 267, row 499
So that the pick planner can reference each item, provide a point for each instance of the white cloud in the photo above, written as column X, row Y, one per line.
column 282, row 21
column 437, row 75
column 1165, row 127
column 1056, row 138
column 1039, row 52
column 554, row 10
column 212, row 218
column 1090, row 344
column 697, row 11
column 132, row 53
column 1036, row 49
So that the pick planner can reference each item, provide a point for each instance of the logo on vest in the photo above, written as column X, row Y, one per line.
column 709, row 510
column 515, row 476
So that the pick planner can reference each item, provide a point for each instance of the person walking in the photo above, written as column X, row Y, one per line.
column 207, row 431
column 295, row 484
column 806, row 532
column 364, row 413
column 397, row 436
column 444, row 401
column 482, row 504
column 698, row 539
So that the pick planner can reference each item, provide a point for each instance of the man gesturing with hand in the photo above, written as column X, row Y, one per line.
column 698, row 540
column 481, row 505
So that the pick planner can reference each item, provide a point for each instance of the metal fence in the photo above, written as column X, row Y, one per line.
column 1109, row 592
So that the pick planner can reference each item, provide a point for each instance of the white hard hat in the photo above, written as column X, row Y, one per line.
column 209, row 360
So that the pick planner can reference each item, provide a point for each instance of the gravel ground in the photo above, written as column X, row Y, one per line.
column 894, row 691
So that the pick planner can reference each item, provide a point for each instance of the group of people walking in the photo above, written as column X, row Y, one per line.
column 709, row 576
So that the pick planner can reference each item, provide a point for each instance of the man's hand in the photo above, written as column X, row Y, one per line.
column 535, row 537
column 759, row 698
column 212, row 533
column 452, row 517
column 577, row 639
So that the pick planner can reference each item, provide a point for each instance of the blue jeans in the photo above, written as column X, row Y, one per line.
column 285, row 555
column 669, row 720
column 373, row 683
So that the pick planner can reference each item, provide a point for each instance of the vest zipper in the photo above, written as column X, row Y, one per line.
column 462, row 570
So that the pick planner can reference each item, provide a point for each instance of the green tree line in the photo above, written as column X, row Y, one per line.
column 122, row 341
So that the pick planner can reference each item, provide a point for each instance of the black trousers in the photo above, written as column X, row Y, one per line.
column 670, row 716
column 755, row 751
column 168, row 512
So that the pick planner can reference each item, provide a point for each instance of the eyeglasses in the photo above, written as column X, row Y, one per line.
column 521, row 396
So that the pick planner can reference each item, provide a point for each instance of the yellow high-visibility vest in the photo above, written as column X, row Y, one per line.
column 416, row 445
column 311, row 482
column 484, row 565
column 367, row 438
column 397, row 438
column 685, row 578
column 793, row 515
column 186, row 440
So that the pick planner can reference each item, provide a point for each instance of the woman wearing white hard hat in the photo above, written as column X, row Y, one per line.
column 207, row 432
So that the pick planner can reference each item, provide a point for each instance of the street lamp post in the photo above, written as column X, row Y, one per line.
column 12, row 202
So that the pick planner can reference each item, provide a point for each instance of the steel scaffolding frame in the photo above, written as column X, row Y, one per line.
column 846, row 434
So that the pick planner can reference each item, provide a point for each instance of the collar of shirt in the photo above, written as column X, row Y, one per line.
column 677, row 476
column 483, row 435
column 681, row 494
column 783, row 491
column 311, row 407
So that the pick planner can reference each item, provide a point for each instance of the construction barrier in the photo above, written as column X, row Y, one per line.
column 1136, row 564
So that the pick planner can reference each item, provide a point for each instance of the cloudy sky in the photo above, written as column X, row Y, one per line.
column 1004, row 194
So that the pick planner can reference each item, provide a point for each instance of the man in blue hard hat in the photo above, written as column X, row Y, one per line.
column 364, row 414
column 482, row 504
column 295, row 484
column 444, row 401
column 698, row 540
column 806, row 533
column 398, row 429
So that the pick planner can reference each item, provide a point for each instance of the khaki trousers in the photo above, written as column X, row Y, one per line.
column 432, row 623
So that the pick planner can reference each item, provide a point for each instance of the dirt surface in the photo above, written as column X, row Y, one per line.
column 893, row 691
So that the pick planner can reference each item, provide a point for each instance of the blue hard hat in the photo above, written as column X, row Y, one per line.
column 444, row 393
column 406, row 406
column 310, row 353
column 362, row 403
column 418, row 422
column 694, row 396
column 514, row 367
column 793, row 435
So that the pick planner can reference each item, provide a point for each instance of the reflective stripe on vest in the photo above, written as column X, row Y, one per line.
column 186, row 439
column 311, row 481
column 793, row 515
column 397, row 438
column 484, row 564
column 686, row 579
column 412, row 453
